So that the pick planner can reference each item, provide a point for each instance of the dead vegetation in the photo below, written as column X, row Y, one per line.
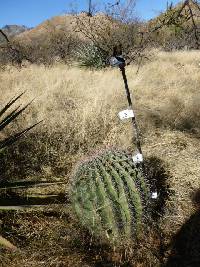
column 79, row 109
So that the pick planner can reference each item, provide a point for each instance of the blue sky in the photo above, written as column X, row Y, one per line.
column 33, row 12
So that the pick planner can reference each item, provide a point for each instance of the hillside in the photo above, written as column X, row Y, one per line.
column 13, row 30
column 67, row 24
column 84, row 39
column 49, row 26
column 65, row 38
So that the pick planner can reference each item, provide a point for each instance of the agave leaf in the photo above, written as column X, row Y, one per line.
column 33, row 199
column 9, row 104
column 13, row 138
column 22, row 207
column 5, row 243
column 10, row 117
column 27, row 184
column 42, row 196
column 28, row 207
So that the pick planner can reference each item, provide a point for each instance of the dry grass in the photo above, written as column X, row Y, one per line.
column 80, row 107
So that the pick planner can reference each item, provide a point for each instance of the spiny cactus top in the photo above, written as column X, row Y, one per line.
column 110, row 196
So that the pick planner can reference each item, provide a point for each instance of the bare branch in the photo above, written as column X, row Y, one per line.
column 5, row 36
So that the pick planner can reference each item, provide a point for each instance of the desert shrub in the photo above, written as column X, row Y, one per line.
column 15, row 53
column 177, row 27
column 105, row 32
column 174, row 37
column 91, row 56
column 58, row 46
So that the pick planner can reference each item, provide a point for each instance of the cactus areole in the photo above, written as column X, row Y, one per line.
column 110, row 196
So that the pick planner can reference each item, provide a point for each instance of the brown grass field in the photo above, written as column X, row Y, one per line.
column 79, row 111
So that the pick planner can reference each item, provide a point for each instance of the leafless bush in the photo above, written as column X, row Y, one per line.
column 12, row 52
column 57, row 46
column 178, row 27
column 105, row 32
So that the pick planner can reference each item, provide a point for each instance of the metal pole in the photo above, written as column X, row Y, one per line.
column 90, row 8
column 118, row 61
column 134, row 123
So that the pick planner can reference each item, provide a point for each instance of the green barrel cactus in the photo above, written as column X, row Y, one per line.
column 110, row 196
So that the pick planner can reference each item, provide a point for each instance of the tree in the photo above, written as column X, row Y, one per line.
column 13, row 52
column 180, row 25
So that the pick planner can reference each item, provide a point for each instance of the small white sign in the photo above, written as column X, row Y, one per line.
column 138, row 158
column 126, row 114
column 154, row 195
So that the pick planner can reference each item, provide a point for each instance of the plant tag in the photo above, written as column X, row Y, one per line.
column 154, row 195
column 126, row 114
column 138, row 158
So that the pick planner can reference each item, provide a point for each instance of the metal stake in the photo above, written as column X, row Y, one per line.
column 134, row 123
column 90, row 8
column 120, row 62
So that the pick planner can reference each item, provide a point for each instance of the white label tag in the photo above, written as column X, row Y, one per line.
column 154, row 195
column 138, row 158
column 126, row 114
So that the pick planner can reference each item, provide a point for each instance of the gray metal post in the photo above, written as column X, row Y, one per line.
column 134, row 123
column 90, row 8
column 120, row 62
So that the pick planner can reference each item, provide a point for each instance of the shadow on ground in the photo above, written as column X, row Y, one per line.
column 186, row 244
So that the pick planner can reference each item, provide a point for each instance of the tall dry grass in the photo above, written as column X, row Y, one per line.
column 79, row 108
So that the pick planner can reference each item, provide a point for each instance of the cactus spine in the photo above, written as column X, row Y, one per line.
column 110, row 196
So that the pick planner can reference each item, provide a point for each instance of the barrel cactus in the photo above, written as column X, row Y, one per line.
column 110, row 196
